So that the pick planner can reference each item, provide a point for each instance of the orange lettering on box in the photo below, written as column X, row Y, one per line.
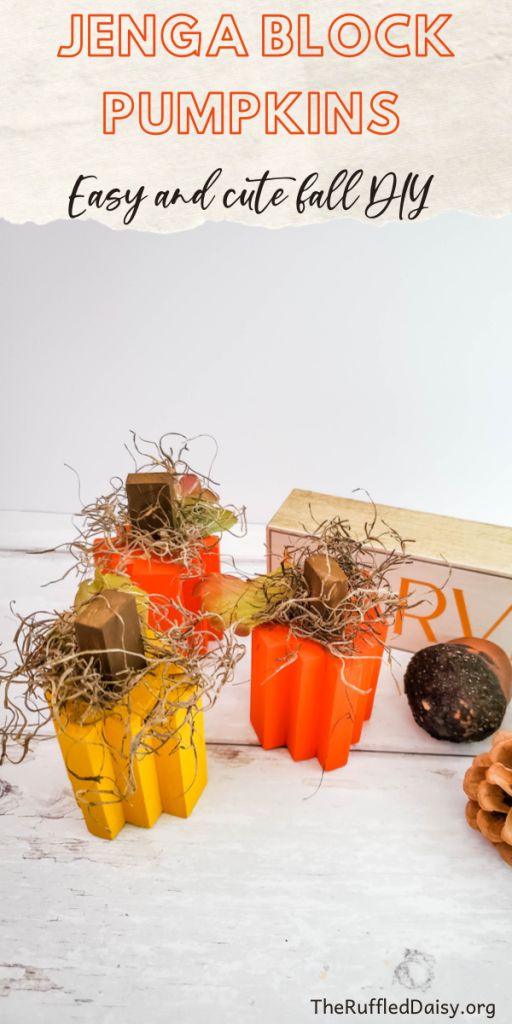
column 460, row 604
column 423, row 619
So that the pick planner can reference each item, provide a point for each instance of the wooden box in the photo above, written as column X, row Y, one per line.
column 460, row 571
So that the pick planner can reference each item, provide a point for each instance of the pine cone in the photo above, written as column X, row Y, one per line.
column 488, row 784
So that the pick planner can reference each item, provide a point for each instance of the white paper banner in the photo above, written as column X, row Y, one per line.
column 375, row 114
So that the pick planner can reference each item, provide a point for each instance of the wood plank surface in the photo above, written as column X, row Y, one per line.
column 282, row 887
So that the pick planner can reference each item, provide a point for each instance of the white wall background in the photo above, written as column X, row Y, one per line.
column 329, row 357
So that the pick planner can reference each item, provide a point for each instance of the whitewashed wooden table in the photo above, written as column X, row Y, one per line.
column 282, row 888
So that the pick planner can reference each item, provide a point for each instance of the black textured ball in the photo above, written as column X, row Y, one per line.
column 454, row 693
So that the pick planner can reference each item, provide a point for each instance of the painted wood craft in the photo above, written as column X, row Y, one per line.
column 309, row 700
column 169, row 779
column 170, row 583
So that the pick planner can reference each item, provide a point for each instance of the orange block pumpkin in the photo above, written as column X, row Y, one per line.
column 166, row 581
column 305, row 698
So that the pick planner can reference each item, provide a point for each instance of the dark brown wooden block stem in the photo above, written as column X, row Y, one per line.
column 152, row 501
column 109, row 627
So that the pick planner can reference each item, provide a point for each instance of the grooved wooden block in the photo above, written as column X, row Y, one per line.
column 181, row 765
column 151, row 501
column 165, row 581
column 459, row 578
column 306, row 699
column 87, row 758
column 109, row 626
column 96, row 756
